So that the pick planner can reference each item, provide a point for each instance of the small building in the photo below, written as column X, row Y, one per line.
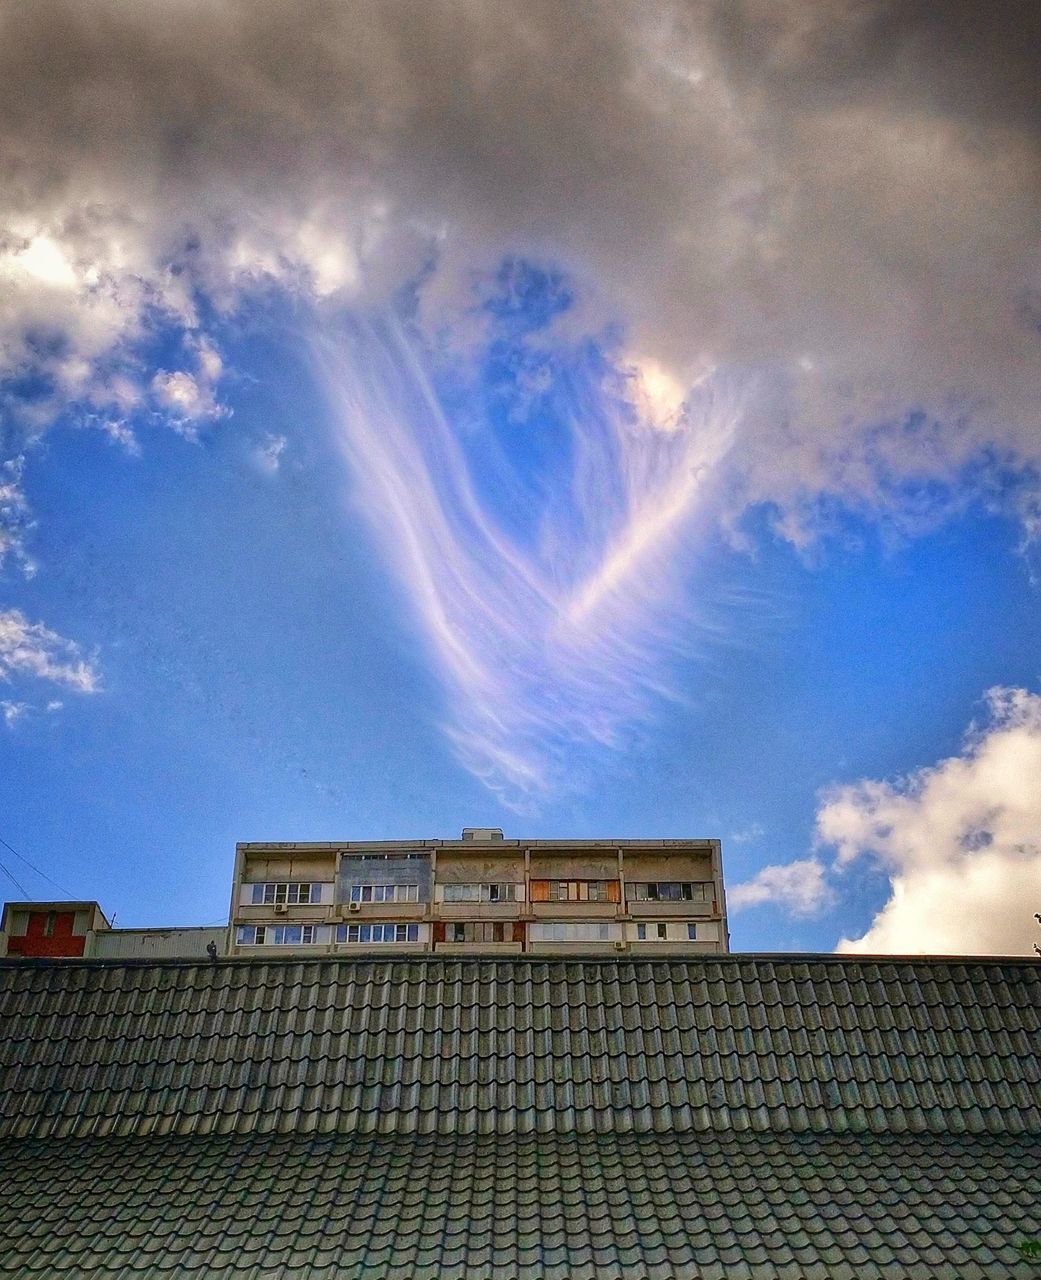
column 56, row 929
column 68, row 930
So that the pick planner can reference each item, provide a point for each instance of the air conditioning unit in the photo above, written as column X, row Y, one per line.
column 619, row 946
column 281, row 908
column 353, row 906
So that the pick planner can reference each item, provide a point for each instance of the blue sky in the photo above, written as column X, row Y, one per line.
column 373, row 501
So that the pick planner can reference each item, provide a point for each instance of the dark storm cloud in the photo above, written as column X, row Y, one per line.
column 840, row 197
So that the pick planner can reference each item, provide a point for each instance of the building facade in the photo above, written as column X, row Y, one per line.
column 480, row 894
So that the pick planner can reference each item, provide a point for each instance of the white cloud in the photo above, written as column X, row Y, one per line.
column 799, row 887
column 190, row 398
column 14, row 514
column 267, row 455
column 13, row 712
column 960, row 841
column 29, row 649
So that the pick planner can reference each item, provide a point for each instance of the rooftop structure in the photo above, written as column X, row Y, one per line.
column 708, row 1117
column 66, row 930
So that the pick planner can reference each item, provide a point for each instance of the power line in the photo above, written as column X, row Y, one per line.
column 43, row 874
column 15, row 881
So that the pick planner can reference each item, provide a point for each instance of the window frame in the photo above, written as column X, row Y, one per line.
column 575, row 931
column 598, row 890
column 376, row 934
column 290, row 893
column 494, row 892
column 662, row 890
column 275, row 935
column 478, row 932
column 383, row 891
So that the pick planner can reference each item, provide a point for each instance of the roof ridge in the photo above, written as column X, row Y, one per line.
column 560, row 957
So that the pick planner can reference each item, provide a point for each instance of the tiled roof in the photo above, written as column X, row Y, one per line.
column 535, row 1207
column 422, row 1117
column 501, row 1046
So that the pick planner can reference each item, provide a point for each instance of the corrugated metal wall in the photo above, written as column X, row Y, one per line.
column 157, row 944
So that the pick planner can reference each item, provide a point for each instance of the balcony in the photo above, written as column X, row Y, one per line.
column 355, row 911
column 279, row 913
column 590, row 947
column 657, row 909
column 477, row 948
column 663, row 946
column 575, row 910
column 480, row 910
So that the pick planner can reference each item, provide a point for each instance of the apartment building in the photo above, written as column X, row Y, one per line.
column 479, row 894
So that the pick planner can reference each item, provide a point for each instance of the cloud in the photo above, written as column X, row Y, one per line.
column 15, row 520
column 824, row 213
column 800, row 887
column 190, row 398
column 553, row 632
column 13, row 712
column 267, row 456
column 843, row 193
column 29, row 649
column 960, row 841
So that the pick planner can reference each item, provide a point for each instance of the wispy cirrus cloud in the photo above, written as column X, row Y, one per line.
column 551, row 633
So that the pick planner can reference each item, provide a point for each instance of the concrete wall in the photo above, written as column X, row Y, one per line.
column 289, row 866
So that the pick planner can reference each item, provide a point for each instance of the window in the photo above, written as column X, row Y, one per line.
column 692, row 933
column 660, row 932
column 483, row 892
column 292, row 892
column 574, row 931
column 280, row 935
column 384, row 892
column 479, row 931
column 382, row 857
column 672, row 891
column 574, row 891
column 377, row 933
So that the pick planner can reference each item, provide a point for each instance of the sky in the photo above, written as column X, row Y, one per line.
column 613, row 420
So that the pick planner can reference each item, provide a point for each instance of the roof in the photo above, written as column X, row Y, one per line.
column 699, row 844
column 740, row 1116
column 61, row 904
